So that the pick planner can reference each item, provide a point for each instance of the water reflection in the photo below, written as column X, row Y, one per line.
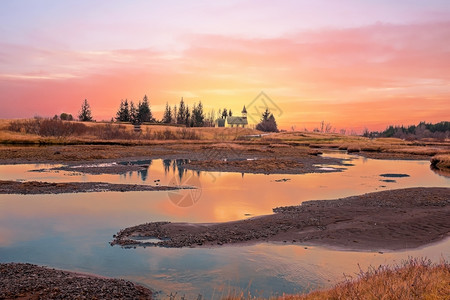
column 72, row 231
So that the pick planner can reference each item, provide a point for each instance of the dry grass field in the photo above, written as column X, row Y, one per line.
column 32, row 131
column 414, row 279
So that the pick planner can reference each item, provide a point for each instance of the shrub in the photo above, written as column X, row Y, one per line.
column 58, row 128
column 48, row 127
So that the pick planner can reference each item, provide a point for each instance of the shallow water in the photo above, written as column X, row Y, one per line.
column 72, row 231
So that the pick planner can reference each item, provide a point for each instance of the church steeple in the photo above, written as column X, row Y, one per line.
column 244, row 112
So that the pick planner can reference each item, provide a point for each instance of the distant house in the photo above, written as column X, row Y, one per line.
column 220, row 122
column 233, row 121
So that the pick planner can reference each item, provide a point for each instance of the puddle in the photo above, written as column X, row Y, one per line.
column 328, row 169
column 150, row 240
column 102, row 165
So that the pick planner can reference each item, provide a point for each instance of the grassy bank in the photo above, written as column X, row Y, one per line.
column 441, row 162
column 413, row 279
column 57, row 132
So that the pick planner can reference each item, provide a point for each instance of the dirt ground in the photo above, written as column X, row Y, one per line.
column 380, row 221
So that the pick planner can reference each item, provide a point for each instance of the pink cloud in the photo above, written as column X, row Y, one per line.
column 388, row 68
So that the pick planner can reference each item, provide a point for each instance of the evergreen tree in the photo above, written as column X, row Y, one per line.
column 144, row 111
column 268, row 123
column 174, row 114
column 187, row 116
column 123, row 114
column 85, row 114
column 272, row 123
column 181, row 116
column 167, row 118
column 192, row 122
column 265, row 115
column 134, row 118
column 119, row 112
column 198, row 115
column 224, row 113
column 230, row 113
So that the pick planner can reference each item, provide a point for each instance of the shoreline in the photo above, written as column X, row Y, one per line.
column 29, row 281
column 387, row 220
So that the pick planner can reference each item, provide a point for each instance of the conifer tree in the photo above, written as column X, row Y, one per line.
column 174, row 114
column 181, row 116
column 85, row 114
column 268, row 123
column 123, row 114
column 133, row 114
column 144, row 112
column 167, row 117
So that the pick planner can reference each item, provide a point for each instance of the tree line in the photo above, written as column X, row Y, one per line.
column 182, row 114
column 439, row 130
column 136, row 114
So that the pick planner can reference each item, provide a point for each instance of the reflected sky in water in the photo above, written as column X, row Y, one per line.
column 72, row 231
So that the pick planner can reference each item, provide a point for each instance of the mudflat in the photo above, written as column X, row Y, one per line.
column 40, row 187
column 223, row 157
column 380, row 221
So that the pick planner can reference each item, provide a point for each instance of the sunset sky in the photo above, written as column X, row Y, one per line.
column 351, row 63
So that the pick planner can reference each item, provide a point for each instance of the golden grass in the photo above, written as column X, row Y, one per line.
column 413, row 279
column 123, row 134
column 158, row 132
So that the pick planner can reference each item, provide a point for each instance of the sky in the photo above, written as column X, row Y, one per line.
column 353, row 64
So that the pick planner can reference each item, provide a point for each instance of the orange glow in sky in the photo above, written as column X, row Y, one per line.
column 354, row 65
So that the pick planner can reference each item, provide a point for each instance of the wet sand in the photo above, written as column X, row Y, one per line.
column 380, row 221
column 26, row 281
column 39, row 187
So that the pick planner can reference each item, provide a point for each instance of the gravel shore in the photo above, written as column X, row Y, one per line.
column 27, row 281
column 388, row 220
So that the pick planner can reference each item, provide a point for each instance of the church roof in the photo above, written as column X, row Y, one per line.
column 237, row 120
column 244, row 111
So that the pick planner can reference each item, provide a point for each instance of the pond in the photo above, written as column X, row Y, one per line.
column 72, row 231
